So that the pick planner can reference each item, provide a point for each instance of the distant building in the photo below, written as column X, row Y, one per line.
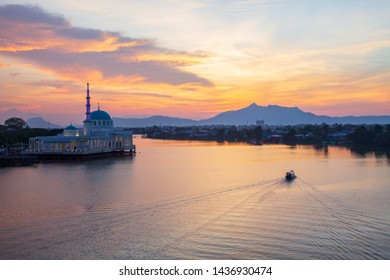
column 98, row 137
column 260, row 123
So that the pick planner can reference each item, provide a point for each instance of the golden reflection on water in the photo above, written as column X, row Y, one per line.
column 200, row 200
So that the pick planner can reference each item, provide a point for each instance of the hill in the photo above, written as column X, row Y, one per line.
column 39, row 122
column 154, row 120
column 279, row 115
column 271, row 115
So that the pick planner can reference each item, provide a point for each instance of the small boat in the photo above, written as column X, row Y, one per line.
column 290, row 175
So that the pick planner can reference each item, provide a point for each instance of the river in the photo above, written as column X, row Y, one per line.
column 199, row 200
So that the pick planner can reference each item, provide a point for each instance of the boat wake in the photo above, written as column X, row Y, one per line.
column 267, row 219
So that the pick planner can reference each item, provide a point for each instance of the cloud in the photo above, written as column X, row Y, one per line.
column 30, row 15
column 148, row 94
column 51, row 43
column 2, row 64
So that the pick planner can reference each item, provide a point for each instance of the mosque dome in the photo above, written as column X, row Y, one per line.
column 100, row 115
column 71, row 131
column 71, row 127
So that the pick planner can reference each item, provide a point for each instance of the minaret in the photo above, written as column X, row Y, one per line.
column 88, row 122
column 88, row 105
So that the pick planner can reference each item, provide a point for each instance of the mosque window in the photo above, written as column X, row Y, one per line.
column 94, row 123
column 100, row 123
column 104, row 122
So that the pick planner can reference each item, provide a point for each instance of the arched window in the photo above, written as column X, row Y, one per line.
column 94, row 123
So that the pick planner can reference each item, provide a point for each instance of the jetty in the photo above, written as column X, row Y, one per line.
column 18, row 160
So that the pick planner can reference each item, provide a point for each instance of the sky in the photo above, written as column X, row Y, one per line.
column 193, row 58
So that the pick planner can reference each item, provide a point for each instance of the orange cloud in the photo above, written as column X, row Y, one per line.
column 136, row 76
column 51, row 43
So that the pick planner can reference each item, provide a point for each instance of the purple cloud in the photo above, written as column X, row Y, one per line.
column 51, row 42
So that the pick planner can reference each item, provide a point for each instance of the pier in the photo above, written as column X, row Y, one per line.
column 18, row 160
column 82, row 156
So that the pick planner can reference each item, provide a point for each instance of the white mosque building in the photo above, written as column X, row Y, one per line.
column 98, row 137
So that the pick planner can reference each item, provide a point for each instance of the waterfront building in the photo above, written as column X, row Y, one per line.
column 98, row 137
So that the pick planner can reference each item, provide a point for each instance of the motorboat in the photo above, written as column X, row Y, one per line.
column 290, row 175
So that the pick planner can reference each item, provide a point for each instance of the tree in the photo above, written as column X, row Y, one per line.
column 324, row 131
column 361, row 136
column 290, row 136
column 258, row 133
column 16, row 123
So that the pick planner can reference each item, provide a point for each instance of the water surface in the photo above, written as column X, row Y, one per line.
column 198, row 200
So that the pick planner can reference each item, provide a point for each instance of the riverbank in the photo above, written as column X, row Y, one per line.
column 362, row 138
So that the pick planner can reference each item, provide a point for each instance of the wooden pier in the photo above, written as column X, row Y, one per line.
column 47, row 157
column 18, row 160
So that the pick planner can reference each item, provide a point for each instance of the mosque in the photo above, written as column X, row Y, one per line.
column 97, row 138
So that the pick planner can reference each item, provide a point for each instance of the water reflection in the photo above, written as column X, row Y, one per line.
column 200, row 200
column 361, row 151
column 323, row 149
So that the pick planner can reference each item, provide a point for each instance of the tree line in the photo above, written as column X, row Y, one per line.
column 373, row 135
column 16, row 133
column 377, row 136
column 226, row 133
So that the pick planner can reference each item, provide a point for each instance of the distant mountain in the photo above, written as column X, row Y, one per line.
column 39, row 122
column 271, row 115
column 154, row 120
column 278, row 115
column 361, row 120
column 16, row 113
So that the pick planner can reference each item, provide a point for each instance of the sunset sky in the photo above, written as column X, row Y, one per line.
column 193, row 59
